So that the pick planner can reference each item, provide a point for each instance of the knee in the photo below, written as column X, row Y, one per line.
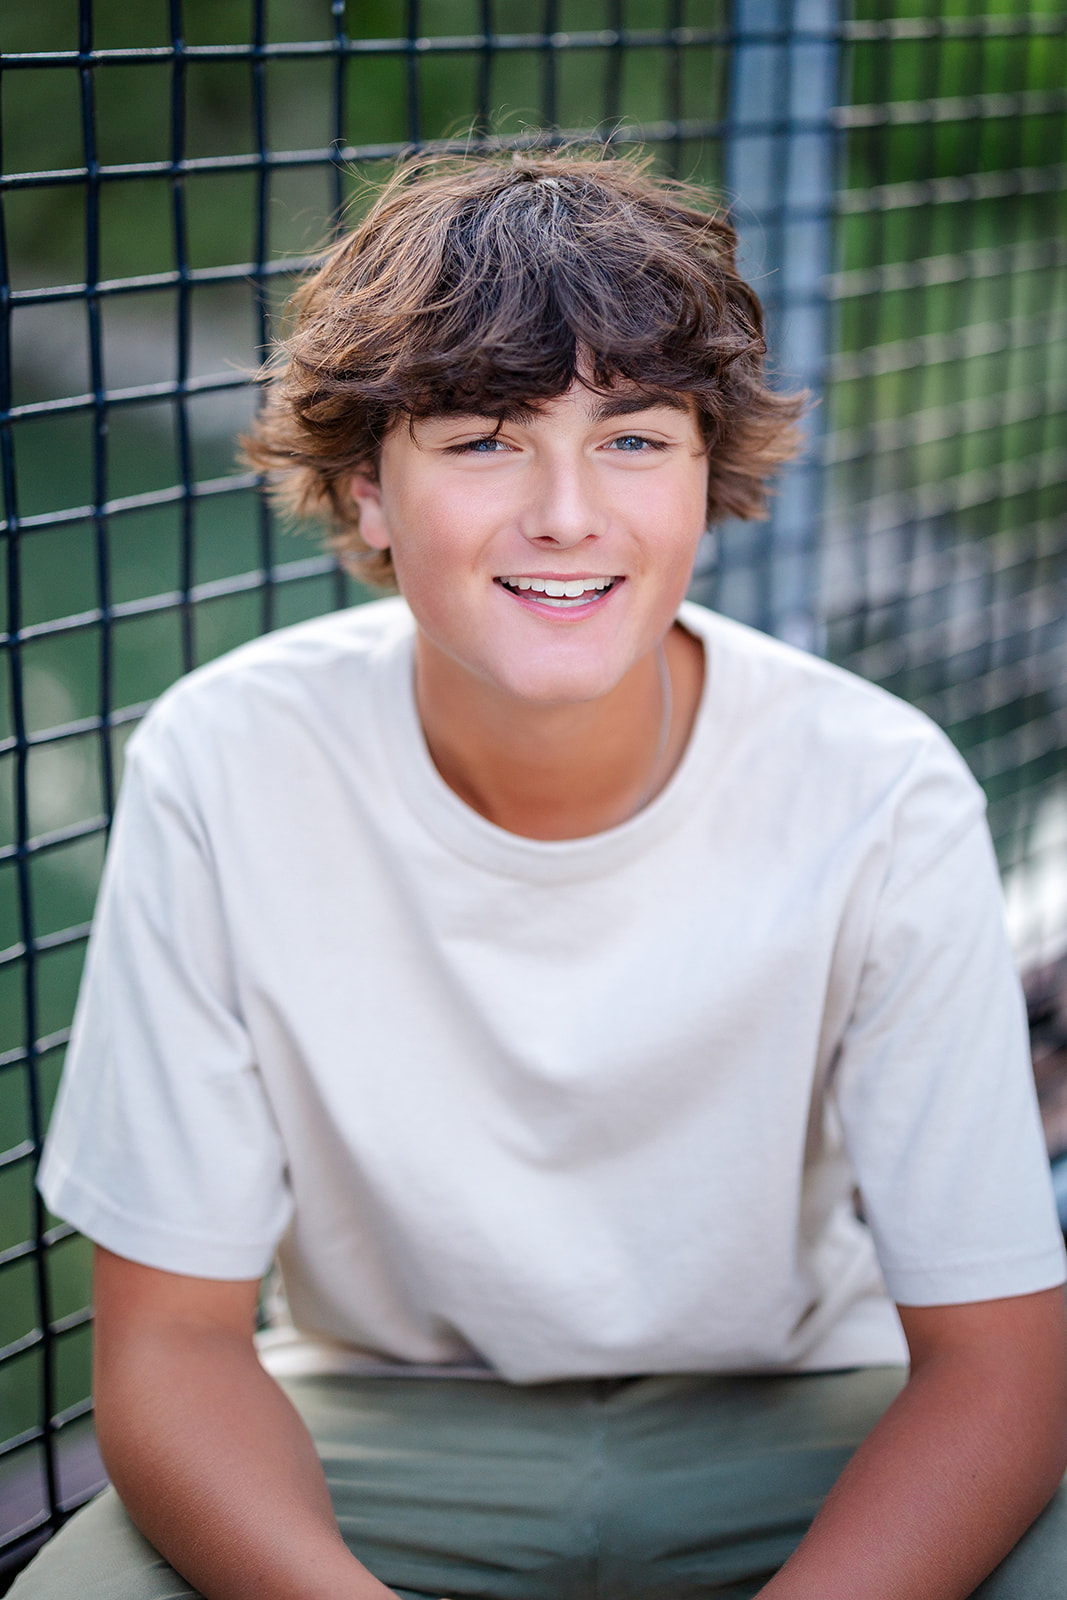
column 99, row 1555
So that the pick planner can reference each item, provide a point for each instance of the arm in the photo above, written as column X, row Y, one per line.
column 957, row 1469
column 212, row 1462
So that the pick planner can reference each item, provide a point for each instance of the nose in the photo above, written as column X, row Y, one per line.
column 564, row 507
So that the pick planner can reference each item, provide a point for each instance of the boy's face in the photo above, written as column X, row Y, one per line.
column 603, row 490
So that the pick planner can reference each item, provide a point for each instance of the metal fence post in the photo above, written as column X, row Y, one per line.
column 779, row 169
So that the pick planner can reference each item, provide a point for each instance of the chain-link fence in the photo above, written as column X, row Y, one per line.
column 898, row 176
column 944, row 542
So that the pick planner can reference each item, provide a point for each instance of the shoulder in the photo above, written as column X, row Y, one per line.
column 297, row 679
column 844, row 746
column 310, row 653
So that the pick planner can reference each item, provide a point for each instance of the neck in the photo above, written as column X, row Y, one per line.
column 559, row 771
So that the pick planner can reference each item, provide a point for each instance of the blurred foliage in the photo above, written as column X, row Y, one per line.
column 133, row 112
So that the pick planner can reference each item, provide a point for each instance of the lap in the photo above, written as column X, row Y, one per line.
column 690, row 1486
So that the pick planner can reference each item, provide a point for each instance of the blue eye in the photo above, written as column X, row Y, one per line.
column 489, row 446
column 636, row 444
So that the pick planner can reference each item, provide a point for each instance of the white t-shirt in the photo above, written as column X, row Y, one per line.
column 593, row 1106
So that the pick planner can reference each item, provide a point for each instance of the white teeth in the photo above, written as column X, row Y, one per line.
column 559, row 587
column 559, row 592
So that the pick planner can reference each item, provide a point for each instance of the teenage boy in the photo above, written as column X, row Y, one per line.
column 603, row 1011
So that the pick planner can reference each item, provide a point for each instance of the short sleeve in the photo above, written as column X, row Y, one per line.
column 163, row 1147
column 933, row 1083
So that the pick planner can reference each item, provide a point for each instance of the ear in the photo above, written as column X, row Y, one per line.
column 366, row 491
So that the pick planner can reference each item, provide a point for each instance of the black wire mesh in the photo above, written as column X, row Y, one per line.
column 165, row 170
column 944, row 556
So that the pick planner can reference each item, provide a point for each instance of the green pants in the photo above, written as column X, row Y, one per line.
column 644, row 1487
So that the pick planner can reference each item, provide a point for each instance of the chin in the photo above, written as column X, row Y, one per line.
column 558, row 685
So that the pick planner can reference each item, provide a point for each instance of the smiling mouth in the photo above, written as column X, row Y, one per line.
column 559, row 593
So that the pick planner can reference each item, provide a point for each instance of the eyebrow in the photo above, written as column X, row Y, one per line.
column 608, row 408
column 626, row 405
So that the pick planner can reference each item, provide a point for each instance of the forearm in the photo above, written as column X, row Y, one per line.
column 942, row 1488
column 217, row 1469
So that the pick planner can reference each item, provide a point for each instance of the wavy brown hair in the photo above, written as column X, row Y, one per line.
column 480, row 284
